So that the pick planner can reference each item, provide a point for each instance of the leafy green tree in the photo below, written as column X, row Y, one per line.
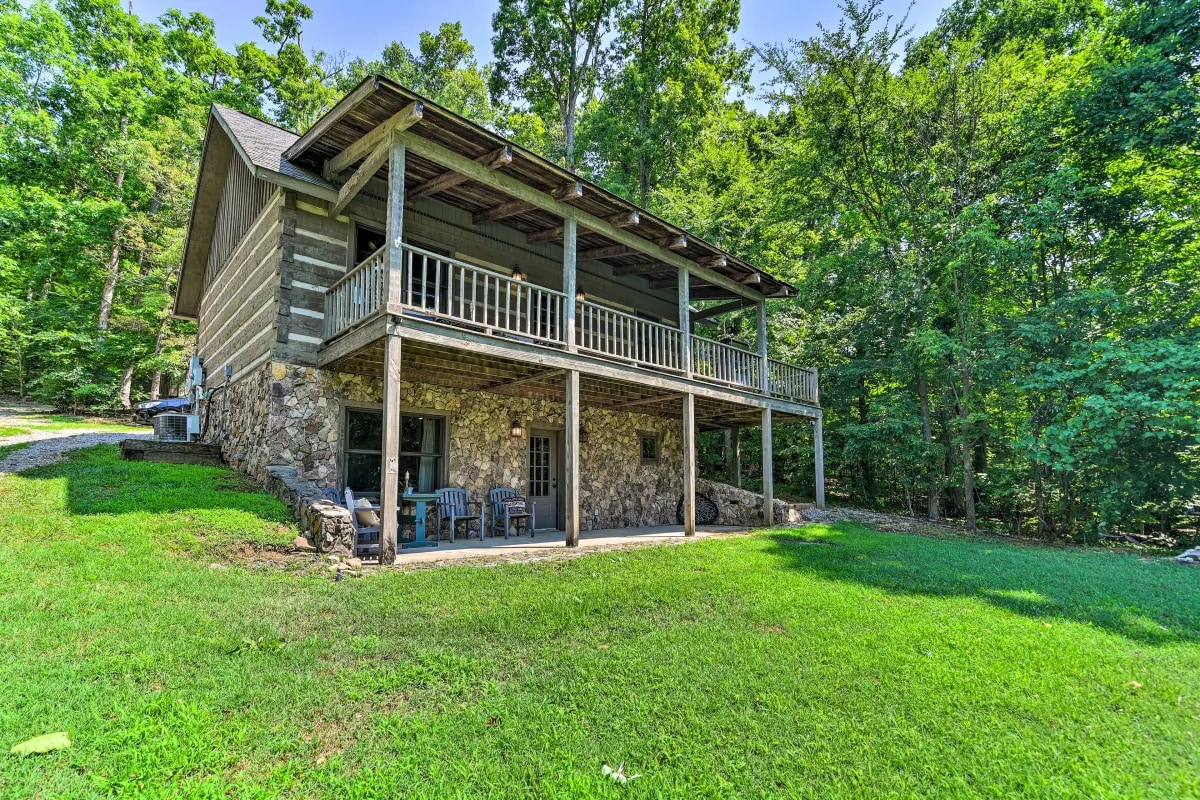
column 675, row 64
column 550, row 55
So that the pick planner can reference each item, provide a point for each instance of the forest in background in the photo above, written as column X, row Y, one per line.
column 993, row 226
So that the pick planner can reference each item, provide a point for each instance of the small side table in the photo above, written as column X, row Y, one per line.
column 417, row 501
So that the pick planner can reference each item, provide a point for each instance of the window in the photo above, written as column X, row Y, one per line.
column 649, row 447
column 422, row 450
column 366, row 241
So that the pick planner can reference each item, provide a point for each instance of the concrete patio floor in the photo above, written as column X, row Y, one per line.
column 550, row 544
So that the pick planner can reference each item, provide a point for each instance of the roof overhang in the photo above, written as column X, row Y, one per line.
column 377, row 100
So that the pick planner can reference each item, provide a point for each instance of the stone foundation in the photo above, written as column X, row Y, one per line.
column 290, row 416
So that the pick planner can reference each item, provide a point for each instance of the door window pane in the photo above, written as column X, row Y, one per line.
column 539, row 466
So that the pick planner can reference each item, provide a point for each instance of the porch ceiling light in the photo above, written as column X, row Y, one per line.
column 518, row 430
column 517, row 274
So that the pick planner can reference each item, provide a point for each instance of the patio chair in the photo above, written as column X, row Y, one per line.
column 506, row 512
column 364, row 516
column 454, row 508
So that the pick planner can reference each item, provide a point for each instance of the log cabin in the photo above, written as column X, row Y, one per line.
column 402, row 297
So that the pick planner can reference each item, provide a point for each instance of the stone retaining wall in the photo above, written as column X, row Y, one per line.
column 745, row 509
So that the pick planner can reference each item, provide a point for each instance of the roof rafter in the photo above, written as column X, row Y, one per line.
column 402, row 120
column 449, row 179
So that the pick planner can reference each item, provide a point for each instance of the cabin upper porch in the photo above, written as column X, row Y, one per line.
column 456, row 304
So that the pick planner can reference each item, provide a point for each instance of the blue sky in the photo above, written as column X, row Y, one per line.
column 364, row 27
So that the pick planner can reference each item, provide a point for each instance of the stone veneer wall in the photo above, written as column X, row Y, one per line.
column 288, row 415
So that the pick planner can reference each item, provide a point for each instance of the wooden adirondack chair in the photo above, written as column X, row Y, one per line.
column 366, row 535
column 454, row 507
column 503, row 516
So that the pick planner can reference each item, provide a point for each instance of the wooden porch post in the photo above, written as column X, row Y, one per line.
column 685, row 322
column 389, row 489
column 689, row 464
column 569, row 282
column 395, row 223
column 571, row 471
column 819, row 453
column 768, row 469
column 764, row 376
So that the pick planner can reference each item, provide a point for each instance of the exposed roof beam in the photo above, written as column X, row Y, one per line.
column 510, row 185
column 448, row 180
column 537, row 376
column 612, row 251
column 715, row 262
column 400, row 121
column 753, row 277
column 548, row 235
column 350, row 189
column 724, row 308
column 665, row 283
column 641, row 269
column 625, row 219
column 679, row 242
column 509, row 208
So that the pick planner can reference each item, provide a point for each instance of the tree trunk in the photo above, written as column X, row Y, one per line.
column 126, row 387
column 934, row 507
column 113, row 272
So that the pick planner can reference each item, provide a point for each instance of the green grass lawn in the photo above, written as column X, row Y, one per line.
column 30, row 422
column 812, row 662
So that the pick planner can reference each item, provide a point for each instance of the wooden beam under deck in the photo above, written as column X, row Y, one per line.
column 487, row 347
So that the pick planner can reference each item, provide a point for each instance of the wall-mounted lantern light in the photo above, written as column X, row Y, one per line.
column 518, row 430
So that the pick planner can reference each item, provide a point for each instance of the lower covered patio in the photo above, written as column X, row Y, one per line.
column 552, row 544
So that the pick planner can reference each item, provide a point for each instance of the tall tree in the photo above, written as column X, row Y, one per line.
column 549, row 55
column 675, row 64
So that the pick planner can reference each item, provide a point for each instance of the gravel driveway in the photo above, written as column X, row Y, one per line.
column 49, row 446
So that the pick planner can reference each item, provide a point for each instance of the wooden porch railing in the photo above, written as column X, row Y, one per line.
column 444, row 289
column 791, row 382
column 724, row 363
column 613, row 333
column 361, row 293
column 454, row 290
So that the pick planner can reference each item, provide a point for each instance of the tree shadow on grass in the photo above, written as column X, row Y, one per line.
column 1144, row 600
column 99, row 481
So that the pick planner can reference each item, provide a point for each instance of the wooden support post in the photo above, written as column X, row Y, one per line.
column 689, row 464
column 570, row 236
column 764, row 377
column 685, row 322
column 768, row 469
column 389, row 489
column 395, row 225
column 819, row 457
column 571, row 471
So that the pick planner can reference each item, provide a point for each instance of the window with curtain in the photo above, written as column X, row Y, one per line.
column 422, row 450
